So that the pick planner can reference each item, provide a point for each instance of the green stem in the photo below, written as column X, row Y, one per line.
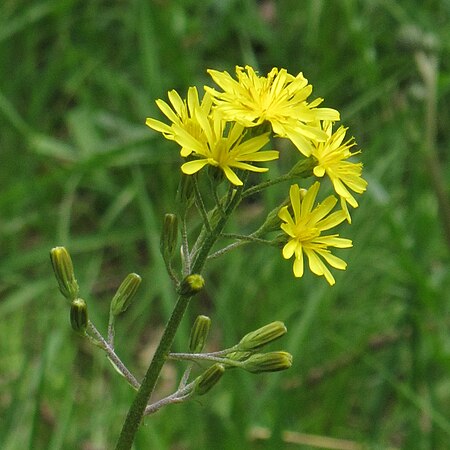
column 241, row 240
column 303, row 169
column 201, row 205
column 185, row 247
column 249, row 238
column 137, row 409
column 205, row 357
column 103, row 344
column 139, row 404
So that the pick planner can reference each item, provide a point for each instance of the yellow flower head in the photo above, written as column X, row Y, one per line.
column 225, row 148
column 279, row 98
column 182, row 115
column 305, row 232
column 332, row 158
column 209, row 138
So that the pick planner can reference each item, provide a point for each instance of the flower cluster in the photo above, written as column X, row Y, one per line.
column 229, row 129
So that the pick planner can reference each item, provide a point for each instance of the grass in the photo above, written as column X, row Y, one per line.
column 79, row 168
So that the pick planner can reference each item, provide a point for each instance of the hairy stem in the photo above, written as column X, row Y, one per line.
column 113, row 356
column 138, row 407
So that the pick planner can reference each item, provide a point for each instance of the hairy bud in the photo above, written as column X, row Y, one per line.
column 199, row 334
column 63, row 269
column 209, row 378
column 268, row 362
column 262, row 336
column 79, row 315
column 122, row 298
column 191, row 285
column 169, row 236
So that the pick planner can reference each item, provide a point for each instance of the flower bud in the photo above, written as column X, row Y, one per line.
column 209, row 378
column 79, row 315
column 63, row 268
column 191, row 285
column 185, row 194
column 199, row 334
column 262, row 336
column 122, row 298
column 304, row 168
column 239, row 356
column 272, row 222
column 169, row 236
column 268, row 362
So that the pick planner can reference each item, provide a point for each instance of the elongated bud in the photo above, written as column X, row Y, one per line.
column 63, row 268
column 304, row 168
column 169, row 236
column 199, row 334
column 191, row 285
column 185, row 194
column 268, row 362
column 122, row 298
column 272, row 222
column 239, row 356
column 79, row 315
column 209, row 378
column 262, row 336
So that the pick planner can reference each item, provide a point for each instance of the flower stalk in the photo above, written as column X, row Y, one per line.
column 137, row 409
column 223, row 136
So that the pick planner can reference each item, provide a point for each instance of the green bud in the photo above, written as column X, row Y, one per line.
column 122, row 298
column 304, row 168
column 239, row 356
column 185, row 193
column 63, row 268
column 169, row 236
column 199, row 334
column 191, row 285
column 209, row 378
column 272, row 222
column 268, row 362
column 79, row 315
column 262, row 336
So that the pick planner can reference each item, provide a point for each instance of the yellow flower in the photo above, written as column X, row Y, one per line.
column 279, row 98
column 225, row 150
column 209, row 138
column 305, row 228
column 332, row 158
column 182, row 115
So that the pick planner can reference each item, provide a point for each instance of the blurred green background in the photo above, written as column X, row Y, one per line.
column 79, row 168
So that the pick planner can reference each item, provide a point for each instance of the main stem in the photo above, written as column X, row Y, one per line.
column 137, row 409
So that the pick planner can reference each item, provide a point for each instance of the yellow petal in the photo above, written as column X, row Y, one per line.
column 284, row 214
column 289, row 249
column 177, row 102
column 192, row 167
column 298, row 267
column 158, row 126
column 167, row 111
column 333, row 260
column 232, row 177
column 319, row 171
column 310, row 197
